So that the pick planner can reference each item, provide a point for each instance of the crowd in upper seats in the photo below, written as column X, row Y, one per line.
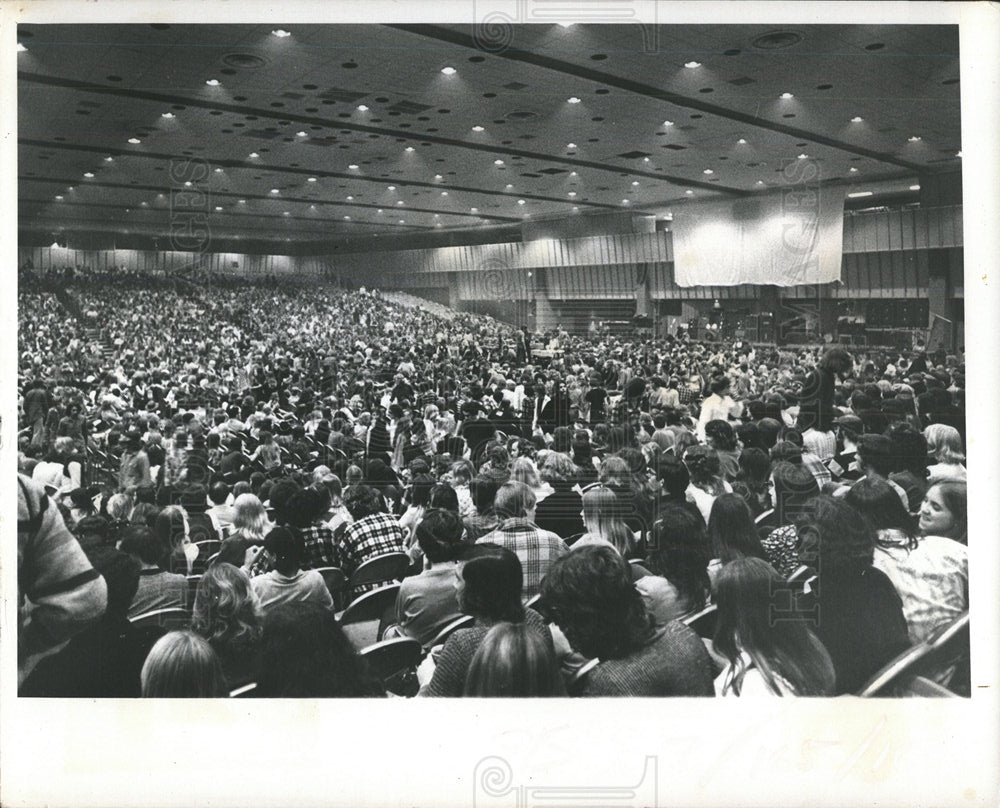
column 218, row 448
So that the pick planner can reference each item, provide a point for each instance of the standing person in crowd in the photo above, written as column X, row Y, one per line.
column 536, row 549
column 590, row 595
column 718, row 406
column 817, row 393
column 766, row 657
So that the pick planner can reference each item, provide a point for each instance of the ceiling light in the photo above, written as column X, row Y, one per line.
column 803, row 156
column 438, row 224
column 353, row 166
column 689, row 192
column 350, row 199
column 571, row 193
column 708, row 171
column 402, row 221
column 300, row 134
column 624, row 201
column 218, row 207
column 362, row 108
column 856, row 194
column 645, row 159
column 853, row 169
column 254, row 154
column 167, row 115
column 59, row 198
column 286, row 213
column 89, row 174
column 668, row 123
column 498, row 162
column 570, row 145
column 408, row 148
column 400, row 202
column 444, row 193
column 311, row 179
column 21, row 48
column 274, row 190
column 188, row 184
column 760, row 182
column 212, row 82
column 437, row 215
column 243, row 201
column 576, row 209
column 134, row 141
column 692, row 64
column 565, row 24
column 478, row 128
column 280, row 33
column 572, row 173
column 473, row 210
column 438, row 177
column 508, row 186
column 144, row 204
column 857, row 119
column 742, row 141
column 573, row 100
column 218, row 171
column 392, row 187
column 914, row 187
column 109, row 159
column 448, row 71
column 347, row 217
column 71, row 188
column 787, row 95
column 635, row 182
column 914, row 138
column 520, row 201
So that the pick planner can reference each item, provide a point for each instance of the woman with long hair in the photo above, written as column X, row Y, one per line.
column 862, row 623
column 461, row 474
column 944, row 449
column 250, row 526
column 765, row 656
column 732, row 533
column 753, row 480
column 603, row 519
column 930, row 573
column 945, row 511
column 172, row 528
column 523, row 470
column 306, row 655
column 514, row 662
column 488, row 585
column 706, row 478
column 678, row 558
column 182, row 665
column 226, row 614
column 794, row 488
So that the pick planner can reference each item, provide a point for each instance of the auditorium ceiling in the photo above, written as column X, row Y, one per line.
column 313, row 132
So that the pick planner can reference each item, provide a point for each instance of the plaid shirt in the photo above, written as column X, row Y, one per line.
column 375, row 535
column 817, row 468
column 320, row 550
column 821, row 444
column 536, row 548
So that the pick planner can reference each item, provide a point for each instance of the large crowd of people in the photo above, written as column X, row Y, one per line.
column 215, row 453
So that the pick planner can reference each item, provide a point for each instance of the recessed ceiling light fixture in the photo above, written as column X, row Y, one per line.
column 218, row 171
column 760, row 182
column 392, row 187
column 444, row 193
column 350, row 199
column 280, row 33
column 311, row 179
column 635, row 182
column 853, row 169
column 689, row 192
column 109, row 159
column 914, row 138
column 572, row 173
column 742, row 141
column 645, row 159
column 857, row 119
column 508, row 186
column 708, row 171
column 573, row 100
column 188, row 184
column 301, row 134
column 668, row 123
column 134, row 141
column 438, row 177
column 253, row 154
column 218, row 207
column 914, row 187
column 692, row 65
column 473, row 210
column 498, row 162
column 167, row 115
column 803, row 156
column 286, row 213
column 858, row 194
column 362, row 108
column 274, row 190
column 624, row 201
column 347, row 217
column 212, row 82
column 570, row 145
column 571, row 193
column 400, row 202
column 449, row 71
column 520, row 201
column 478, row 128
column 353, row 166
column 89, row 174
column 59, row 198
column 408, row 148
column 786, row 96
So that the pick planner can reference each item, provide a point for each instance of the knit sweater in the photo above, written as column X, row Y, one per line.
column 456, row 656
column 673, row 663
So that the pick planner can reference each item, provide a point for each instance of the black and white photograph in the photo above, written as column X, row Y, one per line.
column 521, row 365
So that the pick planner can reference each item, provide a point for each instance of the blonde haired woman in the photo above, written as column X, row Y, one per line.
column 603, row 520
column 944, row 444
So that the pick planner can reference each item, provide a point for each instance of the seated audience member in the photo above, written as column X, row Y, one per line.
column 104, row 660
column 604, row 523
column 752, row 480
column 945, row 453
column 876, row 458
column 536, row 549
column 489, row 588
column 794, row 488
column 226, row 614
column 417, row 499
column 720, row 436
column 862, row 624
column 910, row 450
column 591, row 598
column 483, row 491
column 182, row 665
column 426, row 602
column 246, row 539
column 514, row 662
column 221, row 512
column 706, row 481
column 287, row 582
column 930, row 573
column 306, row 512
column 171, row 527
column 678, row 558
column 766, row 657
column 674, row 482
column 158, row 589
column 461, row 473
column 523, row 470
column 306, row 655
column 373, row 532
column 944, row 511
column 732, row 533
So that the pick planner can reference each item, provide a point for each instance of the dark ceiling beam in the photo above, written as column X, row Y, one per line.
column 453, row 37
column 305, row 172
column 242, row 109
